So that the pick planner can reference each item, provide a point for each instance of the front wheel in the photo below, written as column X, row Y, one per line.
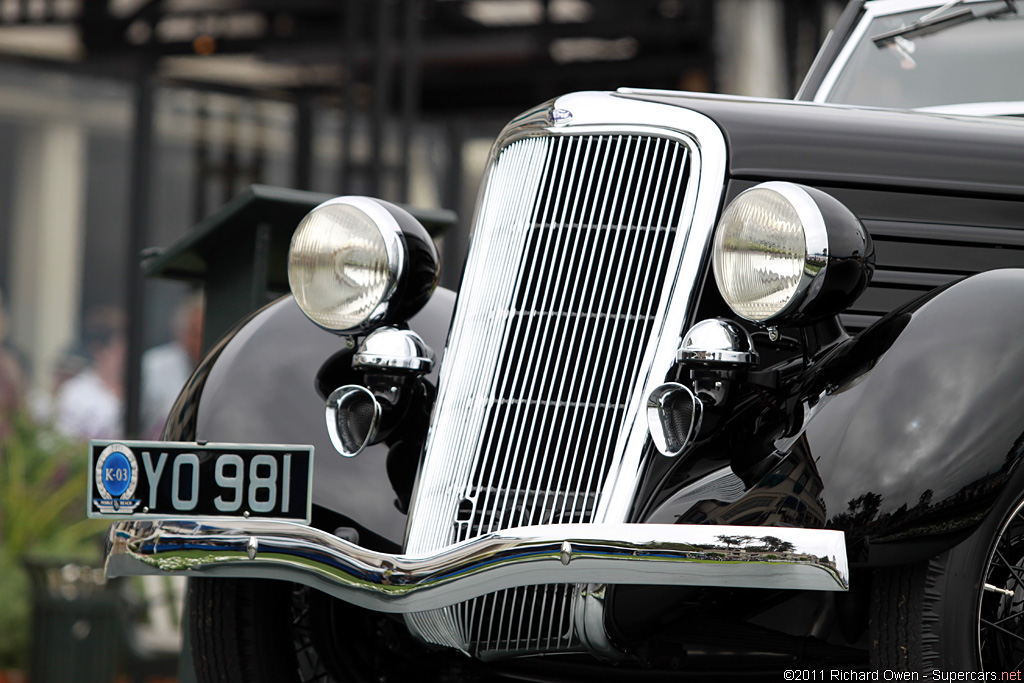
column 962, row 610
column 1001, row 609
column 249, row 630
column 242, row 630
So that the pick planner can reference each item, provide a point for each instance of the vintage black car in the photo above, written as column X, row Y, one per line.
column 728, row 384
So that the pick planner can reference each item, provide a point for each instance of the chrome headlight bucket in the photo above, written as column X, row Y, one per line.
column 789, row 253
column 356, row 263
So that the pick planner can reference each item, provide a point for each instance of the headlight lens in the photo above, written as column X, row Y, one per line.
column 760, row 253
column 790, row 254
column 341, row 267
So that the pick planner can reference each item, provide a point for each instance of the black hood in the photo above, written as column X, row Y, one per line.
column 861, row 147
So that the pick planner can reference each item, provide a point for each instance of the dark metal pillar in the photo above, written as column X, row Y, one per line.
column 382, row 83
column 229, row 170
column 257, row 161
column 138, row 220
column 351, row 29
column 302, row 162
column 410, row 90
column 201, row 163
column 456, row 239
column 802, row 28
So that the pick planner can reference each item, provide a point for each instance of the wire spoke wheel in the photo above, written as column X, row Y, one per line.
column 1001, row 603
column 311, row 666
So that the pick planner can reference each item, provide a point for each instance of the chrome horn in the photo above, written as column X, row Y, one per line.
column 717, row 343
column 390, row 349
column 353, row 418
column 673, row 418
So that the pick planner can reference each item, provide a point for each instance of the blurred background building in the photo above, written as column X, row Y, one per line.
column 124, row 122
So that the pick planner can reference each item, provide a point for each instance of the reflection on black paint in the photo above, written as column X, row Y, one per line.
column 789, row 495
column 961, row 510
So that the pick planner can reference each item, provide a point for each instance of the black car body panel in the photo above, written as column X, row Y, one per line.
column 917, row 441
column 862, row 147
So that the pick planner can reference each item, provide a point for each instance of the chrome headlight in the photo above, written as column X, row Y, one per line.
column 356, row 263
column 788, row 253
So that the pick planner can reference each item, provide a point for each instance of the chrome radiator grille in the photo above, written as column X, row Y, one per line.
column 553, row 331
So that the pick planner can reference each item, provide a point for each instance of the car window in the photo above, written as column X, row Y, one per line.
column 980, row 61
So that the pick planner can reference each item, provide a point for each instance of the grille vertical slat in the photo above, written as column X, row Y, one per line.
column 602, row 339
column 553, row 329
column 550, row 325
column 551, row 484
column 576, row 337
column 492, row 485
column 526, row 165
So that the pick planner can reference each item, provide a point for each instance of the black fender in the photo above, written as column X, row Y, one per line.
column 258, row 384
column 905, row 437
column 923, row 427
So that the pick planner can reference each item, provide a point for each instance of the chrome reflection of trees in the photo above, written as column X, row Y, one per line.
column 777, row 545
column 762, row 544
column 766, row 548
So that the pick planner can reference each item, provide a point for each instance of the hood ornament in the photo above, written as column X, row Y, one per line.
column 560, row 117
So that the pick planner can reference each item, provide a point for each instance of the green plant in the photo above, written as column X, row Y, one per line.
column 43, row 479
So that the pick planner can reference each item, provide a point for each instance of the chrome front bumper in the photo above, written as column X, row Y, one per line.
column 652, row 554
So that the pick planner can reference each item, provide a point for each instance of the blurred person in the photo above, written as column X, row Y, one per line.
column 90, row 405
column 167, row 367
column 42, row 401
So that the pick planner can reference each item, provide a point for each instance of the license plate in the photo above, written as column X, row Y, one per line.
column 164, row 479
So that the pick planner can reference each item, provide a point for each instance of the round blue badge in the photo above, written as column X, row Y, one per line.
column 117, row 474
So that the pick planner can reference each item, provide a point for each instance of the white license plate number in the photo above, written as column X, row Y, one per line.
column 164, row 480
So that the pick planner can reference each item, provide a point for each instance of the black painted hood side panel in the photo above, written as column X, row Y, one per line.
column 862, row 147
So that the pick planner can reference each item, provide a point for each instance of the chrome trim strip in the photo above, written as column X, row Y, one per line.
column 649, row 554
column 814, row 64
column 1011, row 108
column 718, row 97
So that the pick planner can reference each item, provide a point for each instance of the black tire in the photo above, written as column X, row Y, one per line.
column 232, row 623
column 938, row 614
column 251, row 630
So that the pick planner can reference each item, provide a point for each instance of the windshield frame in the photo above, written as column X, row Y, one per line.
column 872, row 10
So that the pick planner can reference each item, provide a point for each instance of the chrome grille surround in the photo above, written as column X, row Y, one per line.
column 491, row 458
